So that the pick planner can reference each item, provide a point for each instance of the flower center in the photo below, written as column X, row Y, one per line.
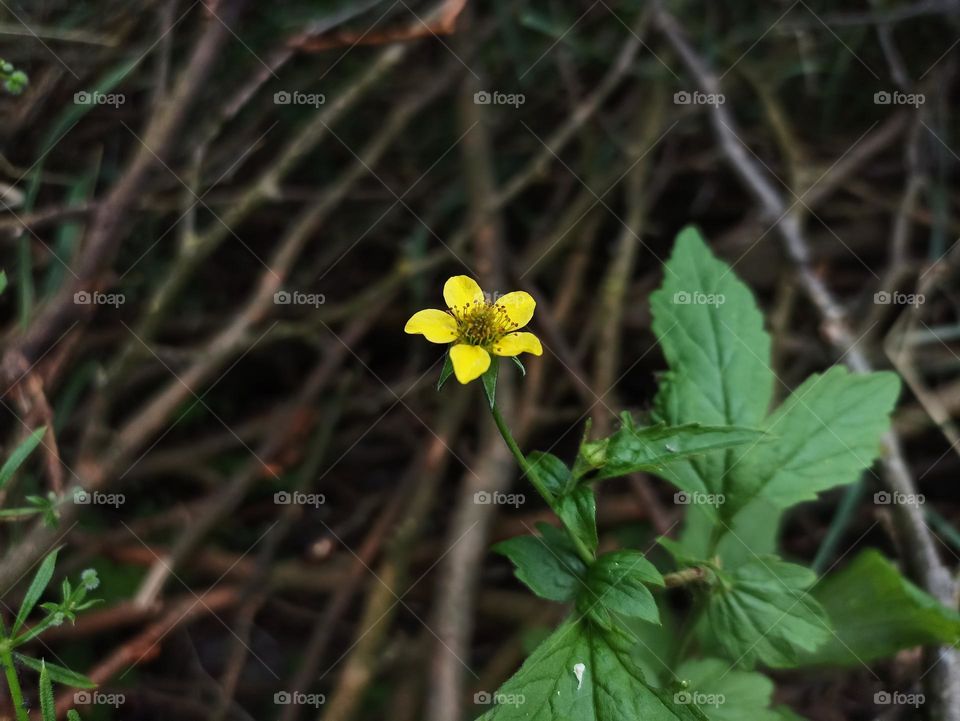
column 481, row 323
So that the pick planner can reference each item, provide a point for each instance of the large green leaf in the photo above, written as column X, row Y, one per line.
column 727, row 694
column 760, row 612
column 585, row 673
column 548, row 564
column 877, row 612
column 827, row 431
column 823, row 436
column 717, row 352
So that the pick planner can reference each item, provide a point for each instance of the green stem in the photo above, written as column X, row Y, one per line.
column 16, row 695
column 531, row 475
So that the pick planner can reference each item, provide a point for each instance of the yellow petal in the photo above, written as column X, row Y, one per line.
column 518, row 307
column 517, row 343
column 437, row 326
column 469, row 362
column 460, row 291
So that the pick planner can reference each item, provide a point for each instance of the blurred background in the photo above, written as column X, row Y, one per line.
column 218, row 215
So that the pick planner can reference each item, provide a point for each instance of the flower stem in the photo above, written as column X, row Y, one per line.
column 518, row 454
column 16, row 695
column 534, row 479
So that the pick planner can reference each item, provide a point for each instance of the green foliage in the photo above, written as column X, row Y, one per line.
column 548, row 564
column 73, row 601
column 586, row 673
column 48, row 707
column 37, row 586
column 822, row 436
column 20, row 454
column 14, row 81
column 828, row 432
column 632, row 449
column 761, row 612
column 618, row 583
column 728, row 695
column 738, row 467
column 877, row 612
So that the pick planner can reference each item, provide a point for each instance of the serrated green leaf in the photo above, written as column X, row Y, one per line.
column 446, row 371
column 548, row 564
column 20, row 454
column 578, row 511
column 719, row 360
column 827, row 431
column 37, row 586
column 718, row 354
column 57, row 673
column 760, row 612
column 727, row 694
column 489, row 380
column 585, row 673
column 877, row 612
column 72, row 715
column 631, row 449
column 618, row 582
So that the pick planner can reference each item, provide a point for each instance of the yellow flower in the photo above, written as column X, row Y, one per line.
column 477, row 327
